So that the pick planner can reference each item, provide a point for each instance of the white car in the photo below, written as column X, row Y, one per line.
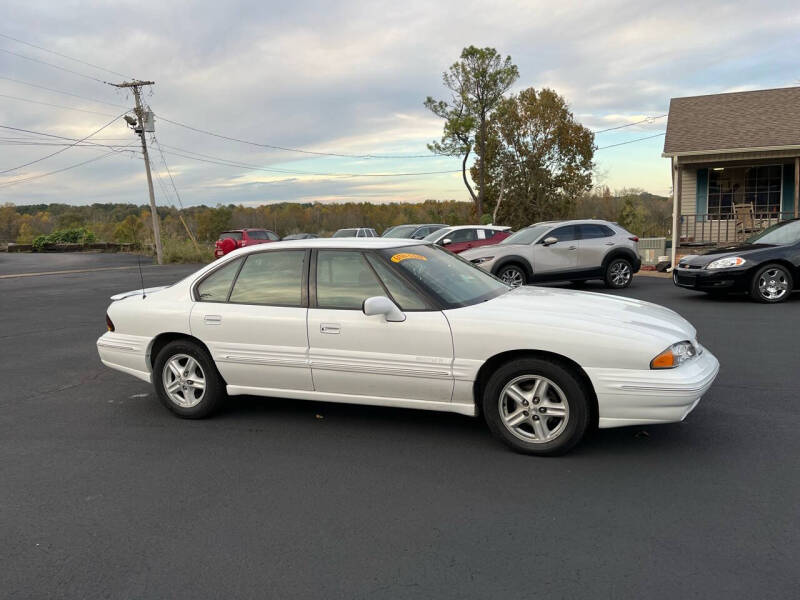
column 399, row 323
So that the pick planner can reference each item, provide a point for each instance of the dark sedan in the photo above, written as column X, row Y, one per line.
column 766, row 266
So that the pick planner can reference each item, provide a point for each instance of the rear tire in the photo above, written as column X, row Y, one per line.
column 619, row 274
column 771, row 284
column 536, row 406
column 512, row 275
column 187, row 381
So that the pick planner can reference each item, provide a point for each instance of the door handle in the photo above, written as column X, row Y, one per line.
column 332, row 328
column 609, row 243
column 212, row 319
column 572, row 248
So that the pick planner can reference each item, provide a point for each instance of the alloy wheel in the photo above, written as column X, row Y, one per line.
column 620, row 273
column 773, row 284
column 184, row 380
column 512, row 276
column 533, row 408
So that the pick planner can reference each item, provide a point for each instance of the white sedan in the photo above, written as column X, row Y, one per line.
column 400, row 323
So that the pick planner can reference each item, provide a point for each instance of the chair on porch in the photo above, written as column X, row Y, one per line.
column 745, row 220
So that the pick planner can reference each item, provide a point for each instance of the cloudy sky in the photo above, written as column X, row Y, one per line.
column 348, row 77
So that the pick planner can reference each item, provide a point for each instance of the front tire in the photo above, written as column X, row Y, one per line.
column 536, row 406
column 771, row 284
column 512, row 275
column 187, row 381
column 619, row 274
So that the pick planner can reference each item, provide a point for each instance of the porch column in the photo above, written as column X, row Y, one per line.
column 676, row 207
column 796, row 186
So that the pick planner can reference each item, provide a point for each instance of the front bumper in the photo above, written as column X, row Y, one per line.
column 733, row 280
column 642, row 397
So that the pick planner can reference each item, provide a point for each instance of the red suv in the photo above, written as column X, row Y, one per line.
column 239, row 238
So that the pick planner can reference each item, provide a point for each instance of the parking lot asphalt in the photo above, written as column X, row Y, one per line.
column 104, row 494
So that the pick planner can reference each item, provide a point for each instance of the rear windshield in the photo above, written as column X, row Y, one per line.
column 234, row 235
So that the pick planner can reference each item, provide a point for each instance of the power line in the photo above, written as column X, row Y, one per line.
column 49, row 64
column 166, row 166
column 41, row 87
column 649, row 137
column 91, row 112
column 83, row 62
column 240, row 165
column 298, row 150
column 646, row 120
column 63, row 149
column 75, row 166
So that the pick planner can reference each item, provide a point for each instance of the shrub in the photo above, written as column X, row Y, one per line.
column 184, row 251
column 79, row 235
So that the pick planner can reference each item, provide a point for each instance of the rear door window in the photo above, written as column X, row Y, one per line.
column 594, row 231
column 273, row 278
column 234, row 235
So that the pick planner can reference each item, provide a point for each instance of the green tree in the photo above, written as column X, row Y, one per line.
column 477, row 83
column 538, row 155
column 130, row 230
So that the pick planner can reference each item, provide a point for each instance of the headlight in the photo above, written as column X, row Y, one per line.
column 674, row 356
column 725, row 263
column 482, row 259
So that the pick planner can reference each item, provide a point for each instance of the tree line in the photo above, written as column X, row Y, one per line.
column 638, row 211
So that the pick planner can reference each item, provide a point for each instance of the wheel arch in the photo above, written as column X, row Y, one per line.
column 626, row 253
column 794, row 271
column 493, row 362
column 515, row 259
column 162, row 339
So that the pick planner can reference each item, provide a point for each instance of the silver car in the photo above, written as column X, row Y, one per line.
column 562, row 251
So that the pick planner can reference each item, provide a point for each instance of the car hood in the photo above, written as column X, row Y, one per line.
column 585, row 311
column 715, row 253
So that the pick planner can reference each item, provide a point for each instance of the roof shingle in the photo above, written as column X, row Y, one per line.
column 738, row 120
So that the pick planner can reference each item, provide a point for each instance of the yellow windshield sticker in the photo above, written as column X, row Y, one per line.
column 407, row 256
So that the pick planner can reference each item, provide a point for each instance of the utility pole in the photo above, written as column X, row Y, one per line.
column 135, row 85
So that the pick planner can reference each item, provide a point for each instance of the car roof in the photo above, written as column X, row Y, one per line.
column 574, row 222
column 375, row 243
column 498, row 227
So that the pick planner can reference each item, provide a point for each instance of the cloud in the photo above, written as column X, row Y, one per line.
column 350, row 77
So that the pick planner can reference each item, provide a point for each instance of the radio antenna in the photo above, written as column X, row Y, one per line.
column 141, row 275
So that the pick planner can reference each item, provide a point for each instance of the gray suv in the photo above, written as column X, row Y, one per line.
column 562, row 251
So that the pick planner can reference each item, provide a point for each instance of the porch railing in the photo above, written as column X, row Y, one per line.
column 714, row 229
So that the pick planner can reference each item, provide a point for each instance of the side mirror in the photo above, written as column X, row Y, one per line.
column 549, row 241
column 446, row 242
column 381, row 305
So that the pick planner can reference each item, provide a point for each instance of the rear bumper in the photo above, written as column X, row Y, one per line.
column 733, row 280
column 126, row 353
column 641, row 397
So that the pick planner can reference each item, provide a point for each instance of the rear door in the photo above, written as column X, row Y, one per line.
column 557, row 258
column 596, row 241
column 356, row 355
column 251, row 314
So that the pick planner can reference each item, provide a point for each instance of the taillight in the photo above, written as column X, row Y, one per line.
column 633, row 238
column 109, row 323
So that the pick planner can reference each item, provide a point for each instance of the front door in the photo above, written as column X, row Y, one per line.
column 252, row 316
column 557, row 258
column 358, row 355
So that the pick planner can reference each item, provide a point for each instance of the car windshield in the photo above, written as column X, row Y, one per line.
column 527, row 235
column 403, row 231
column 781, row 234
column 454, row 281
column 345, row 233
column 435, row 235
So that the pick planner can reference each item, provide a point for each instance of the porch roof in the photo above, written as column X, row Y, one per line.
column 734, row 122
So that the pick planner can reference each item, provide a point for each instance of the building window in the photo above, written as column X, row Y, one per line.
column 759, row 186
